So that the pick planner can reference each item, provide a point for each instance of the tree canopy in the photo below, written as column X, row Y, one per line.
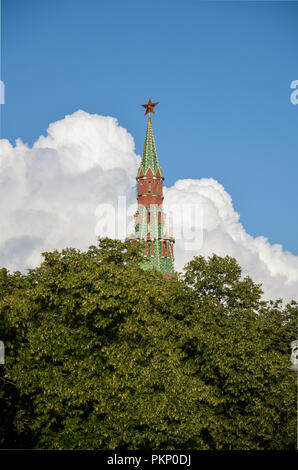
column 101, row 354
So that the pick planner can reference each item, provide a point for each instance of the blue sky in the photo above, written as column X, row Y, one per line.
column 220, row 70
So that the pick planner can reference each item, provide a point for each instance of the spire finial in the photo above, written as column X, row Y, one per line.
column 149, row 108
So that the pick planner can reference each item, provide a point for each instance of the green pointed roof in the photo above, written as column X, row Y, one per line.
column 149, row 157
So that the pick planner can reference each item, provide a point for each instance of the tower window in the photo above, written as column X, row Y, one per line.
column 149, row 187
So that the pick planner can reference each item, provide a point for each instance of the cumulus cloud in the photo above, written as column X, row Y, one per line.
column 223, row 234
column 49, row 193
column 52, row 195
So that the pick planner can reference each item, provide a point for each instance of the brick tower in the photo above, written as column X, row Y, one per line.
column 150, row 223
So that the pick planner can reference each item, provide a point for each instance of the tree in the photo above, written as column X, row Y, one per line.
column 240, row 346
column 106, row 355
column 14, row 408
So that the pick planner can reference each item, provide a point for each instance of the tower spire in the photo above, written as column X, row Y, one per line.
column 150, row 224
column 149, row 156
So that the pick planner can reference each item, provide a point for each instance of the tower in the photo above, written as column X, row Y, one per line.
column 150, row 226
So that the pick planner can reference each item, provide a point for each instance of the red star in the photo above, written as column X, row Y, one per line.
column 149, row 107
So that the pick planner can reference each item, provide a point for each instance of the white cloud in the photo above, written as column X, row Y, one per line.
column 223, row 234
column 49, row 194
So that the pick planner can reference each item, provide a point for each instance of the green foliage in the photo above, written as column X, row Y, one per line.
column 241, row 349
column 14, row 408
column 102, row 354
